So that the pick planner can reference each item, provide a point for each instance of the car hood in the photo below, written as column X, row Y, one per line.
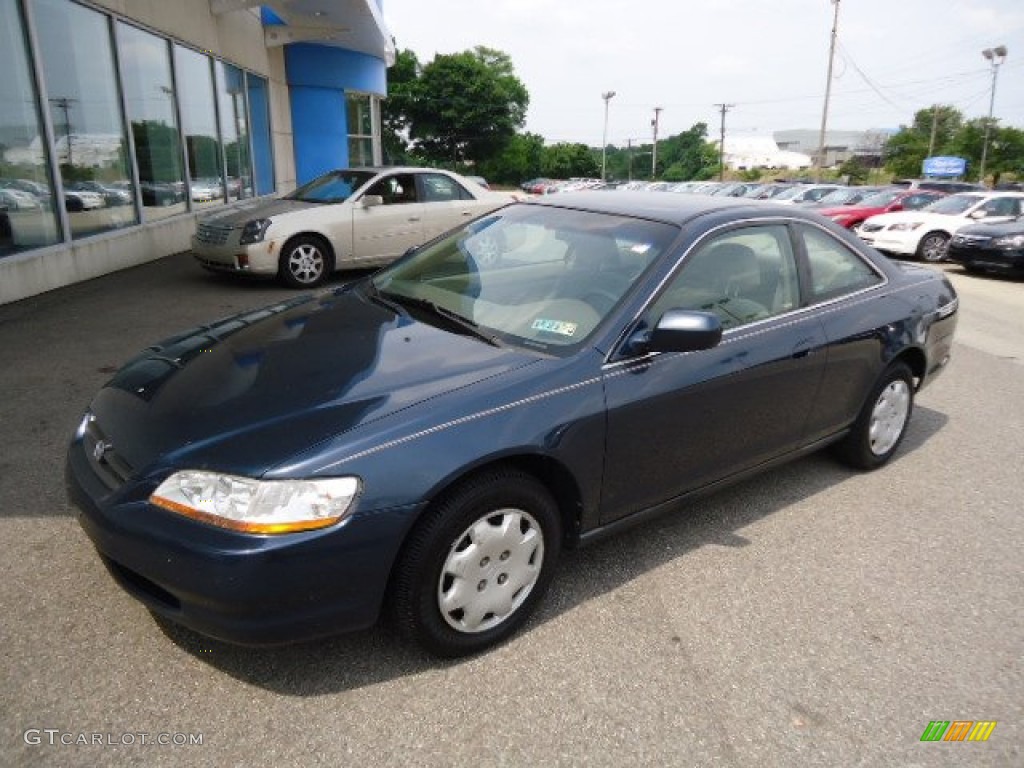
column 849, row 210
column 994, row 229
column 238, row 215
column 249, row 392
column 897, row 216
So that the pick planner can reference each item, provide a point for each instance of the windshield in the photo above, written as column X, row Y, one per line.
column 881, row 199
column 954, row 204
column 841, row 196
column 789, row 194
column 333, row 187
column 529, row 275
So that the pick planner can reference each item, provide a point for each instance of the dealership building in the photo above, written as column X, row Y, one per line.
column 121, row 121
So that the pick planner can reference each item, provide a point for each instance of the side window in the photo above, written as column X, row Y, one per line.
column 441, row 189
column 742, row 276
column 835, row 269
column 397, row 189
column 1002, row 206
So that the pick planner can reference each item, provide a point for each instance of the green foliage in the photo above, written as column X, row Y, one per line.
column 687, row 155
column 855, row 171
column 562, row 161
column 402, row 79
column 465, row 107
column 522, row 158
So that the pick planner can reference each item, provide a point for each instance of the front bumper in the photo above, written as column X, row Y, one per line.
column 989, row 259
column 245, row 589
column 903, row 243
column 225, row 254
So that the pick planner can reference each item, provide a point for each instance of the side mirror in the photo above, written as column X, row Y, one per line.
column 371, row 201
column 978, row 214
column 678, row 330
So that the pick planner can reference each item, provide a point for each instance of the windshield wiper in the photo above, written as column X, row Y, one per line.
column 463, row 324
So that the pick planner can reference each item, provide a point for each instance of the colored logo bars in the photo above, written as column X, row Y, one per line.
column 958, row 730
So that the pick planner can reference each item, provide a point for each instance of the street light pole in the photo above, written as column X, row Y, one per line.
column 607, row 96
column 819, row 159
column 995, row 57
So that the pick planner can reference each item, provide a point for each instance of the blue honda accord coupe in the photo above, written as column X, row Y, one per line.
column 422, row 443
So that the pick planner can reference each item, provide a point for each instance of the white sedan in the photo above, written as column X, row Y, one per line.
column 349, row 218
column 926, row 232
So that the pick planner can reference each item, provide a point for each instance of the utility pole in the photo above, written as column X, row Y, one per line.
column 723, row 108
column 64, row 105
column 629, row 150
column 607, row 96
column 654, row 150
column 995, row 57
column 820, row 157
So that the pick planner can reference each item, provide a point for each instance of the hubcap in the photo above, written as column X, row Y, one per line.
column 889, row 417
column 490, row 570
column 934, row 249
column 306, row 263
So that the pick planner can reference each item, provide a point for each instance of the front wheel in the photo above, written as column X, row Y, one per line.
column 476, row 566
column 305, row 262
column 882, row 422
column 933, row 246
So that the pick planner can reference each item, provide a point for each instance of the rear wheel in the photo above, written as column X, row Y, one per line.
column 305, row 262
column 477, row 565
column 933, row 247
column 882, row 422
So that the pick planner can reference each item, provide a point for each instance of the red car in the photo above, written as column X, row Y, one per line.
column 887, row 200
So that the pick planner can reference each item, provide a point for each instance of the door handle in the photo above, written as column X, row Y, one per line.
column 803, row 347
column 414, row 218
column 467, row 213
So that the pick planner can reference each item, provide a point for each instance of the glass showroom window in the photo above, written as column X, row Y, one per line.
column 259, row 122
column 149, row 95
column 199, row 123
column 27, row 218
column 234, row 129
column 85, row 109
column 362, row 146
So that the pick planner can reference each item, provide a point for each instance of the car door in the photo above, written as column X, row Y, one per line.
column 446, row 203
column 385, row 232
column 997, row 209
column 680, row 421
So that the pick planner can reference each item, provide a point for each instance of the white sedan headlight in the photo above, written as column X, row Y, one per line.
column 905, row 226
column 257, row 506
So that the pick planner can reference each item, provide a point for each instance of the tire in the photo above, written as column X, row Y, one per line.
column 972, row 269
column 882, row 423
column 932, row 247
column 305, row 262
column 502, row 531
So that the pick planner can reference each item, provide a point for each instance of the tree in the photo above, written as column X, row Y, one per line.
column 907, row 149
column 521, row 159
column 394, row 111
column 564, row 160
column 466, row 107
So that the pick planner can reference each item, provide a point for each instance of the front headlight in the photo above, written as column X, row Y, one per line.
column 253, row 231
column 905, row 226
column 257, row 506
column 1008, row 241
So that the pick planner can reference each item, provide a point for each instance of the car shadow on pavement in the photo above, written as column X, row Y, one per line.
column 377, row 655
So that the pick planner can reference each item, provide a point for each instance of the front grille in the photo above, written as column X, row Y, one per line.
column 109, row 466
column 212, row 234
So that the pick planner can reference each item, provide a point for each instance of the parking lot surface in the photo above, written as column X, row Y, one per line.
column 812, row 616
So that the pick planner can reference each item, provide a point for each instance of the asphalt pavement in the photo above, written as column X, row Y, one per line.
column 812, row 616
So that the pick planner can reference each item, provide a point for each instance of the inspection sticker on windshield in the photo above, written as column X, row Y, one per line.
column 554, row 326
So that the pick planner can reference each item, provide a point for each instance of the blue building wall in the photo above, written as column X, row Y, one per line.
column 318, row 77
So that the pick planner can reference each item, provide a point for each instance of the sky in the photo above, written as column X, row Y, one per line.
column 767, row 58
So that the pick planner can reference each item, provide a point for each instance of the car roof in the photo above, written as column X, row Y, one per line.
column 671, row 209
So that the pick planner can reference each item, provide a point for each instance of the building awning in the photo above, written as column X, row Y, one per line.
column 356, row 25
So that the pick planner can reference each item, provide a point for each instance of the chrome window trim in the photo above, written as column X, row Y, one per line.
column 729, row 335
